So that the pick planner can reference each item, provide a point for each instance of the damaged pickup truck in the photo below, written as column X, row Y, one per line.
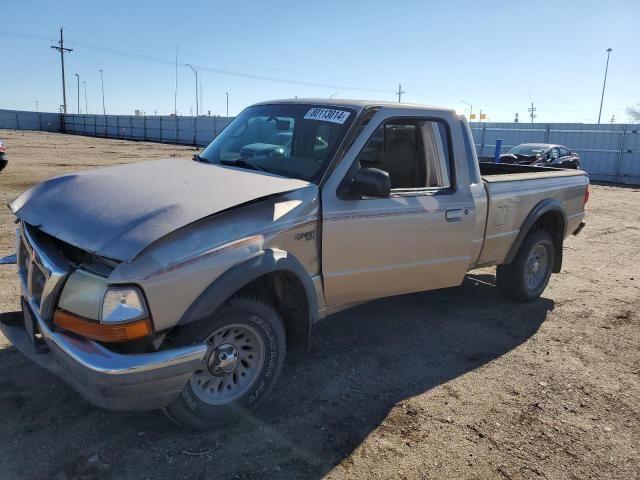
column 181, row 285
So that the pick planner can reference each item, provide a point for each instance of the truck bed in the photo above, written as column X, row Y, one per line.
column 513, row 191
column 500, row 172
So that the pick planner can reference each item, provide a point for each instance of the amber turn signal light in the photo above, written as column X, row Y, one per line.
column 121, row 332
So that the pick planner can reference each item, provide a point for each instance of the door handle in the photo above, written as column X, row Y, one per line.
column 453, row 215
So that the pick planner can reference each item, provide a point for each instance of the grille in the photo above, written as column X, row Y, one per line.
column 42, row 270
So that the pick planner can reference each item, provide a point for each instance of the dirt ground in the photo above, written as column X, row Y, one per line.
column 450, row 384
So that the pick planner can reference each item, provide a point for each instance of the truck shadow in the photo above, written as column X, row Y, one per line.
column 363, row 362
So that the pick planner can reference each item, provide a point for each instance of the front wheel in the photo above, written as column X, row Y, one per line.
column 527, row 276
column 246, row 350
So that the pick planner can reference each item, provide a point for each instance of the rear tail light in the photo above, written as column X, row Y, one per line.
column 587, row 193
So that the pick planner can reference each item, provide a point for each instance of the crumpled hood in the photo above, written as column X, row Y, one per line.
column 118, row 211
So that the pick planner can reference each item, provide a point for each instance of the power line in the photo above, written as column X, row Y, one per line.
column 227, row 72
column 214, row 59
column 60, row 48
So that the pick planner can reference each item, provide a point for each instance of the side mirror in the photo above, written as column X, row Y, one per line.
column 372, row 182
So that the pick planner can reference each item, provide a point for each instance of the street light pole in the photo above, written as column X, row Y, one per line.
column 102, row 85
column 86, row 109
column 78, row 87
column 195, row 72
column 604, row 83
column 470, row 107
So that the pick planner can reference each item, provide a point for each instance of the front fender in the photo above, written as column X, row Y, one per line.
column 235, row 278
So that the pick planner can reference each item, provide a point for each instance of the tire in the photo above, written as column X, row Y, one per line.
column 524, row 279
column 246, row 355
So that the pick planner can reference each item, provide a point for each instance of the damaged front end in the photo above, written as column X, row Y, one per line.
column 60, row 341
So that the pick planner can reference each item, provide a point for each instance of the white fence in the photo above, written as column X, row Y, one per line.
column 19, row 120
column 609, row 153
column 166, row 129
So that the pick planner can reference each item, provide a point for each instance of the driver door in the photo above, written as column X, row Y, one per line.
column 419, row 238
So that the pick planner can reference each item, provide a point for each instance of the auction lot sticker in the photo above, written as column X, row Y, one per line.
column 327, row 115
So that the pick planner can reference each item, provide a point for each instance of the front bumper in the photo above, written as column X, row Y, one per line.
column 105, row 378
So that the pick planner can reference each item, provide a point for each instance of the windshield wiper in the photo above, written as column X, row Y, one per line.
column 197, row 158
column 242, row 162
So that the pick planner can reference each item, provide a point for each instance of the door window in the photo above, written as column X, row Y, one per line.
column 415, row 153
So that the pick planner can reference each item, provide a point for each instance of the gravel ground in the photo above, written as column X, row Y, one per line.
column 450, row 384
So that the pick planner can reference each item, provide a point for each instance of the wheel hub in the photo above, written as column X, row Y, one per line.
column 236, row 358
column 223, row 360
column 536, row 267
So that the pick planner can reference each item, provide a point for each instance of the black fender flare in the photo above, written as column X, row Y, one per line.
column 542, row 208
column 240, row 275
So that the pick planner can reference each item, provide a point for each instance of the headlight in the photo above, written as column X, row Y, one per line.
column 122, row 305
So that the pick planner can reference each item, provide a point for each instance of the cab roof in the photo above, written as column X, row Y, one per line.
column 355, row 104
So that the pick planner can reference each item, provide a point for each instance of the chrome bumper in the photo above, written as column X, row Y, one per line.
column 107, row 379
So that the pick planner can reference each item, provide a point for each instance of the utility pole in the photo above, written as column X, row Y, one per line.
column 36, row 105
column 399, row 93
column 104, row 111
column 78, row 87
column 60, row 48
column 515, row 120
column 604, row 83
column 227, row 94
column 613, row 119
column 532, row 112
column 195, row 72
column 86, row 109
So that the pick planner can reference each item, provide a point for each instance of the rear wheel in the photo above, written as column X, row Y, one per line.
column 246, row 351
column 527, row 276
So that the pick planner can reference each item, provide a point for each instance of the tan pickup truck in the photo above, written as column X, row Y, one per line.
column 181, row 285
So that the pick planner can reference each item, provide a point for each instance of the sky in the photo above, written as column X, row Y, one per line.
column 499, row 56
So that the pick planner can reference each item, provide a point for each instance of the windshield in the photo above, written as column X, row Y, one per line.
column 528, row 150
column 292, row 140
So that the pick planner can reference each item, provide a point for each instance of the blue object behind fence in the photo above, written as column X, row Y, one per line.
column 496, row 154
